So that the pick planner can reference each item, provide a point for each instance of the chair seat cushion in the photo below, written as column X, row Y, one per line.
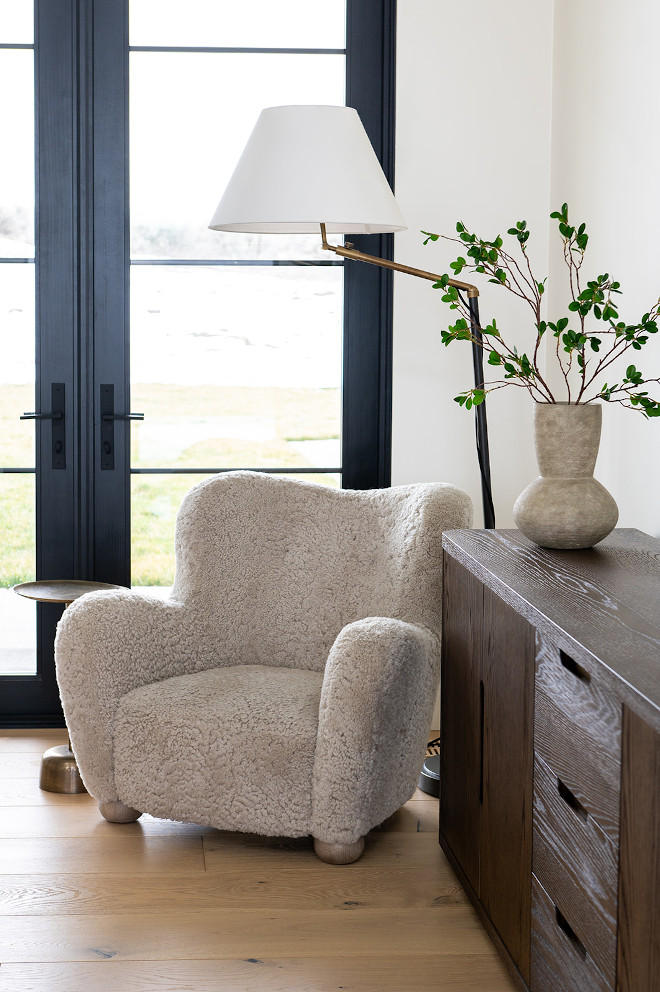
column 221, row 747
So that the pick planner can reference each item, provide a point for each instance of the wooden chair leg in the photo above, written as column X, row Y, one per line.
column 118, row 812
column 338, row 854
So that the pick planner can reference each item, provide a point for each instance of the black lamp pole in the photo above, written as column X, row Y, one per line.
column 480, row 422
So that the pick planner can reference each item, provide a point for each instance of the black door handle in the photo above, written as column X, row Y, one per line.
column 108, row 417
column 41, row 416
column 122, row 416
column 58, row 438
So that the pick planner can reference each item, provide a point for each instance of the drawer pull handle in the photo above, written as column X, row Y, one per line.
column 565, row 926
column 571, row 800
column 573, row 667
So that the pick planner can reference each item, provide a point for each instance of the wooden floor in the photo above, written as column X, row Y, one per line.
column 156, row 906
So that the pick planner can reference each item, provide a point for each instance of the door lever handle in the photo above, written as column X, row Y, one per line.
column 42, row 416
column 107, row 425
column 58, row 431
column 122, row 416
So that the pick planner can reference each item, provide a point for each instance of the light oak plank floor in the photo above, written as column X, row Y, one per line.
column 156, row 906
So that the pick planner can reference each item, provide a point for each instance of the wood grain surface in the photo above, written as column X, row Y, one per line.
column 577, row 864
column 639, row 887
column 577, row 730
column 427, row 972
column 460, row 707
column 506, row 814
column 157, row 906
column 602, row 603
column 558, row 964
column 596, row 616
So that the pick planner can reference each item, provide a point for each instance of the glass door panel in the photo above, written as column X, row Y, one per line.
column 191, row 115
column 236, row 341
column 250, row 24
column 17, row 341
column 38, row 323
column 236, row 366
column 17, row 159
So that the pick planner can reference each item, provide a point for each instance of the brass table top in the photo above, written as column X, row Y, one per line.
column 60, row 590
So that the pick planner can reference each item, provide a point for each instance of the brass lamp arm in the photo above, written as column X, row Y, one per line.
column 472, row 292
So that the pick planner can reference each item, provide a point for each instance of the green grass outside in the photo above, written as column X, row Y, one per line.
column 171, row 412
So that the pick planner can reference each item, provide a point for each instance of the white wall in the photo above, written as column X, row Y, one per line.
column 605, row 164
column 504, row 111
column 474, row 83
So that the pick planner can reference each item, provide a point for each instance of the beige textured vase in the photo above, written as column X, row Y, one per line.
column 565, row 507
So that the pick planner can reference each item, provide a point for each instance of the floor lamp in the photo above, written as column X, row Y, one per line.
column 308, row 169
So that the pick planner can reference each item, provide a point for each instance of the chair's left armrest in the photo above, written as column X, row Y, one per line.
column 107, row 644
column 375, row 713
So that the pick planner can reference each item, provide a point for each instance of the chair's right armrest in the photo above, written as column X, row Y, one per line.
column 107, row 644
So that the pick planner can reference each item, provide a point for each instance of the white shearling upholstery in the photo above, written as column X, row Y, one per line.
column 287, row 685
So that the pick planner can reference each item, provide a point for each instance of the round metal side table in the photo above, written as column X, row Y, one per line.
column 59, row 771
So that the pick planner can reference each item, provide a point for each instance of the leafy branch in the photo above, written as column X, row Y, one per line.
column 596, row 340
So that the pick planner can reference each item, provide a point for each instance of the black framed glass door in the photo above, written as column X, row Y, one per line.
column 244, row 355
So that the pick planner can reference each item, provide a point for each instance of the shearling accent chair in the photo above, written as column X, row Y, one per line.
column 286, row 687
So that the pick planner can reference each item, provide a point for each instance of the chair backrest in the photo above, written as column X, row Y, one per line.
column 283, row 565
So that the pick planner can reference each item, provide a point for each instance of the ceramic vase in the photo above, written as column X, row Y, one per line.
column 566, row 507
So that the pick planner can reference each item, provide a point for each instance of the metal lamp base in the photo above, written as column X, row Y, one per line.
column 59, row 771
column 429, row 779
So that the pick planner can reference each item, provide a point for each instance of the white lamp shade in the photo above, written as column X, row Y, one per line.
column 304, row 166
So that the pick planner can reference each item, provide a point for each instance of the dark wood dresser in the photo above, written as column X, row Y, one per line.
column 550, row 754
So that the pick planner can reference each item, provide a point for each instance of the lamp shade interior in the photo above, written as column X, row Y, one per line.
column 307, row 165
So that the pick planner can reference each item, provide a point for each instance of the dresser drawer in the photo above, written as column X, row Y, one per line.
column 576, row 862
column 577, row 732
column 560, row 961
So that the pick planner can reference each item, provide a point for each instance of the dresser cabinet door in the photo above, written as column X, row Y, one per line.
column 486, row 760
column 506, row 817
column 639, row 866
column 460, row 717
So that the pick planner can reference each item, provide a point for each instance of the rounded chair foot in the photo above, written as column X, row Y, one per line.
column 119, row 813
column 338, row 854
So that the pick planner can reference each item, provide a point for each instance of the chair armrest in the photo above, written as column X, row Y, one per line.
column 107, row 644
column 376, row 707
